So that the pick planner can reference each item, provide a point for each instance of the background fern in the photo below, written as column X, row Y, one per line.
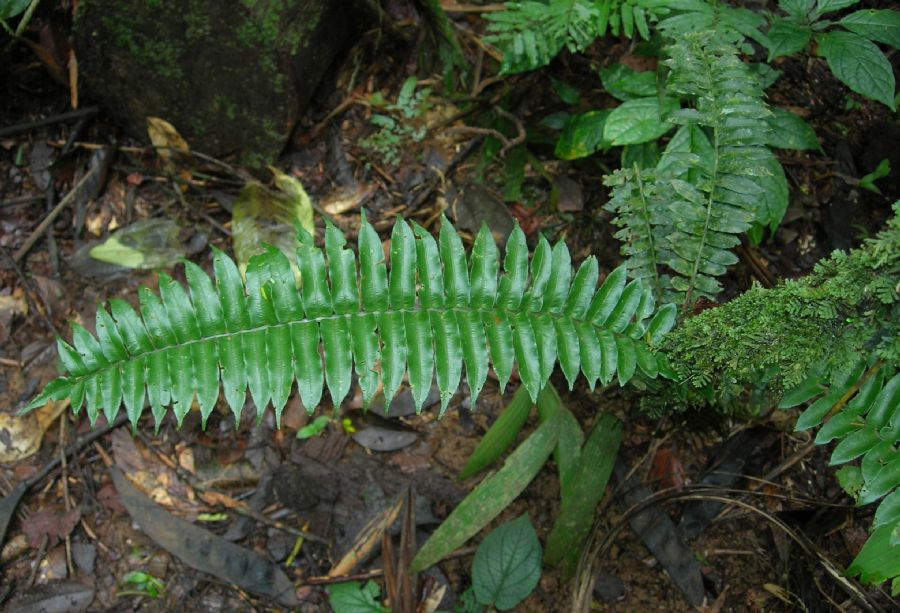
column 715, row 179
column 531, row 34
column 431, row 313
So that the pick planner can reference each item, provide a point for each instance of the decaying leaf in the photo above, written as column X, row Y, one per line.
column 21, row 435
column 265, row 216
column 50, row 525
column 147, row 244
column 166, row 139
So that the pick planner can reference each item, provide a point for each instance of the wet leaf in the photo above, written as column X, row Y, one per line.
column 264, row 216
column 144, row 245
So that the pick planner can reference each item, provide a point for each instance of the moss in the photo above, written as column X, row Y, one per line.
column 224, row 105
column 846, row 308
column 158, row 55
column 198, row 25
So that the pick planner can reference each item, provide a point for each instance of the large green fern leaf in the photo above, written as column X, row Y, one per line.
column 433, row 313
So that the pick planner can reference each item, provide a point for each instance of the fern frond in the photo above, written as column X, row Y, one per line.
column 530, row 34
column 861, row 412
column 432, row 313
column 710, row 182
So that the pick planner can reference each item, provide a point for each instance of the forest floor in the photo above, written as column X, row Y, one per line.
column 71, row 543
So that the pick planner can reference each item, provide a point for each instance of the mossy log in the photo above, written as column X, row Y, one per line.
column 230, row 75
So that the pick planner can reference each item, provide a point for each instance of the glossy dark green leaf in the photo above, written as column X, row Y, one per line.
column 638, row 121
column 421, row 355
column 428, row 314
column 372, row 269
column 790, row 132
column 515, row 264
column 582, row 135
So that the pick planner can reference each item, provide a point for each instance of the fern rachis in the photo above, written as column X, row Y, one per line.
column 432, row 313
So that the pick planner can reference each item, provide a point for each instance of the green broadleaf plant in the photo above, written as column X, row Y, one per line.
column 434, row 312
column 848, row 45
column 507, row 565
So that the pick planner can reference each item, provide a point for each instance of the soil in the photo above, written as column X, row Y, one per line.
column 331, row 485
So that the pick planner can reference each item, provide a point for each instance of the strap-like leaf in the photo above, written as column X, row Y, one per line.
column 430, row 313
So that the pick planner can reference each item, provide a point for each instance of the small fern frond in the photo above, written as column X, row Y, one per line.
column 530, row 34
column 708, row 185
column 431, row 313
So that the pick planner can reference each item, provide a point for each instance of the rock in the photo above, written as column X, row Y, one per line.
column 229, row 75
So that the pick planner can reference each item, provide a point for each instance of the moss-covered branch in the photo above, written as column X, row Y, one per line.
column 846, row 307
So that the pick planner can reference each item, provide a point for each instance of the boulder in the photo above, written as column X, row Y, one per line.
column 232, row 76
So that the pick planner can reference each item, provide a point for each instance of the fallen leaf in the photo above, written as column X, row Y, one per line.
column 50, row 525
column 147, row 244
column 667, row 469
column 264, row 216
column 166, row 139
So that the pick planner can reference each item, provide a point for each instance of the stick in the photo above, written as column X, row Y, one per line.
column 46, row 121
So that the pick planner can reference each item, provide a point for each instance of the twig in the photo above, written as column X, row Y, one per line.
column 472, row 8
column 74, row 448
column 345, row 104
column 582, row 589
column 508, row 143
column 758, row 270
column 64, row 478
column 46, row 121
column 51, row 217
column 19, row 201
